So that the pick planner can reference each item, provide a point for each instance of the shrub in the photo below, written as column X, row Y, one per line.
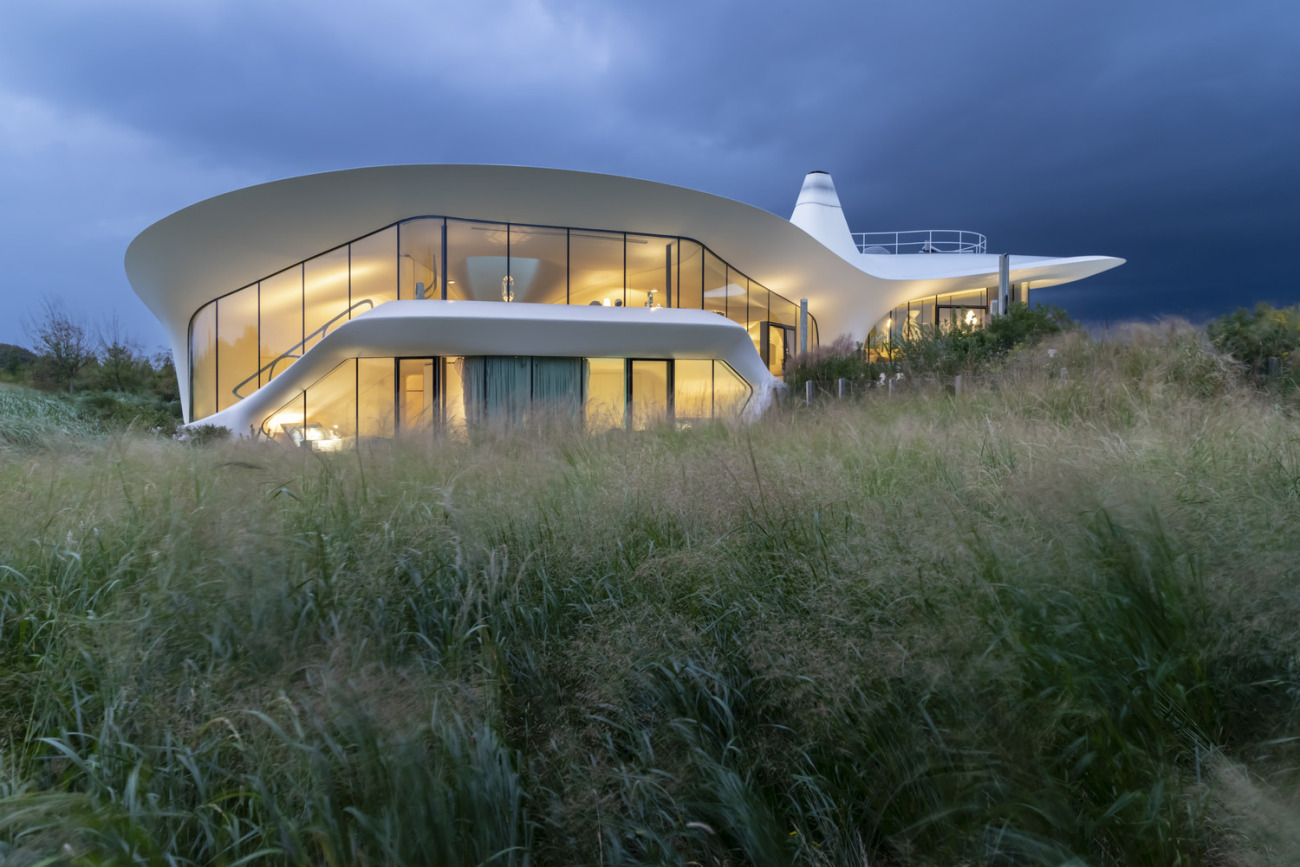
column 949, row 348
column 202, row 434
column 117, row 410
column 839, row 359
column 1254, row 336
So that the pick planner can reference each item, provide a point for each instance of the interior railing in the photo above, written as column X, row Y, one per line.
column 295, row 352
column 921, row 241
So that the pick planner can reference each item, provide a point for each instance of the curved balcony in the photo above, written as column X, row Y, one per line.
column 921, row 241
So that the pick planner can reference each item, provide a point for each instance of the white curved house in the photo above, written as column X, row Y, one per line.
column 381, row 301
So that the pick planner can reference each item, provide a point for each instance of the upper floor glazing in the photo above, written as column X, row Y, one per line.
column 242, row 340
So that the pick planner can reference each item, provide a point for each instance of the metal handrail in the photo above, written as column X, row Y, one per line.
column 922, row 241
column 289, row 353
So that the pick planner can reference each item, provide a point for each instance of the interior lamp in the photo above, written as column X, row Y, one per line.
column 507, row 288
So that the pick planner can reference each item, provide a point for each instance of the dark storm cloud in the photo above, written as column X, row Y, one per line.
column 1161, row 132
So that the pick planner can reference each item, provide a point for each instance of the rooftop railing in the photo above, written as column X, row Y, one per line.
column 921, row 241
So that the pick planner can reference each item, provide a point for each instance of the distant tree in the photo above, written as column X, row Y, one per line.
column 165, row 384
column 61, row 344
column 15, row 359
column 121, row 365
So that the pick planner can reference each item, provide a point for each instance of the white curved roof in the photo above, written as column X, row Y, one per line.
column 226, row 242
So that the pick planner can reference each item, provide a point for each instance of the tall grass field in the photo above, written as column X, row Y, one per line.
column 1044, row 620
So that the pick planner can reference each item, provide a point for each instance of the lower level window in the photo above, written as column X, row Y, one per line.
column 385, row 398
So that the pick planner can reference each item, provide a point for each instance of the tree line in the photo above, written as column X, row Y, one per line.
column 95, row 364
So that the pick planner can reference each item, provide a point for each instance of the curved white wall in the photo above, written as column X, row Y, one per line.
column 218, row 245
column 459, row 328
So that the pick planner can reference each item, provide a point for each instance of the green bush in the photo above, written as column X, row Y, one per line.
column 118, row 410
column 1050, row 623
column 840, row 359
column 1254, row 336
column 202, row 434
column 29, row 418
column 949, row 348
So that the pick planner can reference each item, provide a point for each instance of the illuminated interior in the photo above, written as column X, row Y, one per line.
column 243, row 340
column 970, row 309
column 387, row 398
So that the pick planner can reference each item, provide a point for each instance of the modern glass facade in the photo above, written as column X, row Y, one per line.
column 971, row 308
column 243, row 340
column 387, row 398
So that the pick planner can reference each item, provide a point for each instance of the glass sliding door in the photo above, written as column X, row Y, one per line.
column 375, row 394
column 606, row 393
column 417, row 393
column 650, row 384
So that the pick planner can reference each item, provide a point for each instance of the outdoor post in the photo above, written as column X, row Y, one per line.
column 808, row 392
column 839, row 388
column 891, row 388
column 1004, row 283
column 803, row 326
column 1062, row 373
column 1274, row 367
column 956, row 384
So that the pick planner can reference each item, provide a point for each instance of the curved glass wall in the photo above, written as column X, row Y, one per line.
column 243, row 340
column 970, row 309
column 387, row 398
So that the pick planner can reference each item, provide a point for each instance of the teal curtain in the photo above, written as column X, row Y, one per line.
column 473, row 387
column 557, row 386
column 507, row 386
column 508, row 390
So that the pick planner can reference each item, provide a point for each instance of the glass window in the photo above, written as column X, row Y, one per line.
column 281, row 332
column 374, row 270
column 606, row 393
column 236, row 346
column 416, row 396
column 758, row 313
column 203, row 363
column 596, row 268
column 507, row 389
column 649, row 393
column 649, row 266
column 692, row 390
column 557, row 388
column 453, row 396
column 715, row 284
column 476, row 260
column 419, row 262
column 783, row 311
column 375, row 410
column 539, row 264
column 325, row 294
column 780, row 346
column 690, row 275
column 497, row 389
column 730, row 392
column 737, row 297
column 286, row 424
column 332, row 410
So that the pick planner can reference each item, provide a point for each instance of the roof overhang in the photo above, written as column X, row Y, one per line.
column 221, row 244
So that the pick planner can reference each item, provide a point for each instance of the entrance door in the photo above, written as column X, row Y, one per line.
column 417, row 396
column 777, row 341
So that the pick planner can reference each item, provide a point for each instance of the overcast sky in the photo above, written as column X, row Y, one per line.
column 1167, row 133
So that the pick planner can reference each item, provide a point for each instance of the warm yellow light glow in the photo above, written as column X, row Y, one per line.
column 607, row 303
column 280, row 419
column 889, row 323
column 971, row 318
